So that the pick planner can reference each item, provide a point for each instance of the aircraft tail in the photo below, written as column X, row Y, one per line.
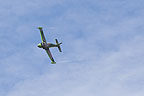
column 59, row 48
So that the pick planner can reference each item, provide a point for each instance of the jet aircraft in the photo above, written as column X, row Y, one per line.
column 46, row 45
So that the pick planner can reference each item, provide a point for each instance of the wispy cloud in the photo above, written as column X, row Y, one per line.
column 115, row 73
column 102, row 48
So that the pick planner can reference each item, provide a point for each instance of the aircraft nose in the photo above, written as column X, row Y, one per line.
column 39, row 45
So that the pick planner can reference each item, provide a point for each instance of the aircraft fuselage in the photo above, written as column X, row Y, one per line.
column 45, row 45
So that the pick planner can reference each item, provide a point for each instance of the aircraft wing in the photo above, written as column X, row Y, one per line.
column 50, row 55
column 42, row 34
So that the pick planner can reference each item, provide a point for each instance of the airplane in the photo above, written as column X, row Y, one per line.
column 46, row 45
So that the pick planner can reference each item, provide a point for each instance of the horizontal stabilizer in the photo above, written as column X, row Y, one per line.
column 59, row 48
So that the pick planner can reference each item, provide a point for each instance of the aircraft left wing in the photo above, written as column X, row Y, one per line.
column 50, row 55
column 42, row 34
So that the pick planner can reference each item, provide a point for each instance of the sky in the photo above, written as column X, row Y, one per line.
column 103, row 48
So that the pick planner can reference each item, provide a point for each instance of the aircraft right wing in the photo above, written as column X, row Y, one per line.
column 42, row 34
column 50, row 55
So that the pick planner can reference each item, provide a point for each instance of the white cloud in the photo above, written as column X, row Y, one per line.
column 102, row 48
column 117, row 73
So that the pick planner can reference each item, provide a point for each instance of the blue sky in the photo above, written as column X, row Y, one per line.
column 102, row 48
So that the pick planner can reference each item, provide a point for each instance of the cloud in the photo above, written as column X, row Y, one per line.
column 115, row 73
column 102, row 48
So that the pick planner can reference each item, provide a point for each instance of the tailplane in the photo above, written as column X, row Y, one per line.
column 58, row 45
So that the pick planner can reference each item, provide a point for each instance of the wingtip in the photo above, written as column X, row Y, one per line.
column 53, row 62
column 39, row 27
